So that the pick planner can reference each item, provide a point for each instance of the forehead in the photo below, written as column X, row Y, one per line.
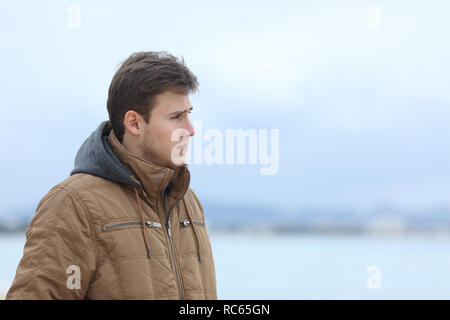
column 169, row 102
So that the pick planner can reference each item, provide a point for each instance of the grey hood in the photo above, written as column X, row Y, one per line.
column 96, row 157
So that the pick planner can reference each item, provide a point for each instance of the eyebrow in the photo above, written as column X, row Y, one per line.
column 181, row 112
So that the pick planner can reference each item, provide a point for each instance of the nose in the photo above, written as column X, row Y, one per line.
column 190, row 128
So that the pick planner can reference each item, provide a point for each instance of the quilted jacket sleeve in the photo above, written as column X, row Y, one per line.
column 59, row 254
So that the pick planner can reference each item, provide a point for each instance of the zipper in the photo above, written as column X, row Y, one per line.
column 148, row 224
column 177, row 274
column 187, row 223
column 169, row 233
column 172, row 250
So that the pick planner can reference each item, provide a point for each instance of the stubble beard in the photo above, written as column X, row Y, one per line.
column 157, row 156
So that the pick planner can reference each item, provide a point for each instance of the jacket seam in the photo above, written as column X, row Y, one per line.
column 61, row 234
column 93, row 239
column 34, row 269
column 80, row 176
column 142, row 257
column 108, row 257
column 116, row 271
column 44, row 271
column 88, row 216
column 98, row 186
column 37, row 265
column 64, row 235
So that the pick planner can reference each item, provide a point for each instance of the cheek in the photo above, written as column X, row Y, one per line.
column 163, row 138
column 171, row 135
column 159, row 133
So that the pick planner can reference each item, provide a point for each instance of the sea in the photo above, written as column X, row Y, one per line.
column 261, row 265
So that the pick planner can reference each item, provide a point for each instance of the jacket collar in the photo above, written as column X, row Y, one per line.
column 151, row 177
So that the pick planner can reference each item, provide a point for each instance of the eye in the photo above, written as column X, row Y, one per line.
column 179, row 115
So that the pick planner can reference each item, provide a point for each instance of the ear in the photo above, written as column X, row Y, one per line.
column 131, row 122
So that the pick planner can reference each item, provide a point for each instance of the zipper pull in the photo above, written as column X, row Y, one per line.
column 169, row 230
column 185, row 223
column 152, row 224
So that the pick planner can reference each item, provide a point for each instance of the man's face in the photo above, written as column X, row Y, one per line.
column 166, row 136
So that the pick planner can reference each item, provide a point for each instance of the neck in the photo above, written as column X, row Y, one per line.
column 131, row 147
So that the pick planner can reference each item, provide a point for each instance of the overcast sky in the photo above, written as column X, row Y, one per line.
column 358, row 90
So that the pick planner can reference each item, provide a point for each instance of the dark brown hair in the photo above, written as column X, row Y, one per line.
column 139, row 79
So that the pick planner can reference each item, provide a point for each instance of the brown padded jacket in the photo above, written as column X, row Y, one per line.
column 119, row 227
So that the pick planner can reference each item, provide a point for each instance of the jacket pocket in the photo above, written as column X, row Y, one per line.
column 122, row 238
column 124, row 252
column 187, row 236
column 128, row 224
column 187, row 223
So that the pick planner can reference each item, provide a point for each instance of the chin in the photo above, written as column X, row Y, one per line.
column 178, row 165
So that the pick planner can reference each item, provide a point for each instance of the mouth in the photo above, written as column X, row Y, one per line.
column 183, row 147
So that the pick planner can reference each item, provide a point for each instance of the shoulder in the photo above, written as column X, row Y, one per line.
column 83, row 182
column 74, row 189
column 67, row 201
column 192, row 196
column 193, row 200
column 86, row 188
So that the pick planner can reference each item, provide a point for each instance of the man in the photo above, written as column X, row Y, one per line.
column 125, row 224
